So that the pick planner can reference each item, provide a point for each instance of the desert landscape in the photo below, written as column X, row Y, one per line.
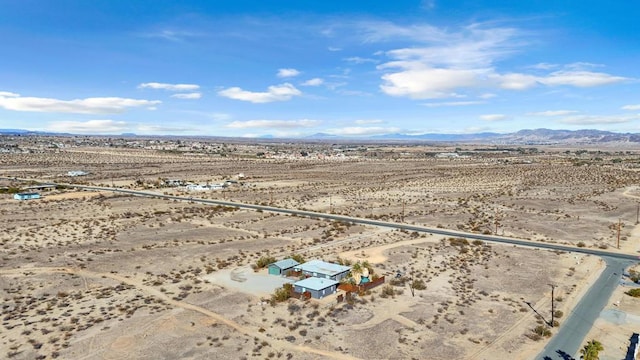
column 99, row 274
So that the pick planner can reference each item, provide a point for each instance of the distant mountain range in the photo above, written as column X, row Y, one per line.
column 525, row 137
column 535, row 136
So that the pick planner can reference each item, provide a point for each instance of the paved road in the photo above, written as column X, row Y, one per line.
column 363, row 221
column 567, row 342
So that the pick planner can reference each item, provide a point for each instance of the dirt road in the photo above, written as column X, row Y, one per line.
column 187, row 306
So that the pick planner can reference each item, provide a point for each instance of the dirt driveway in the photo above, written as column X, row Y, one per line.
column 245, row 280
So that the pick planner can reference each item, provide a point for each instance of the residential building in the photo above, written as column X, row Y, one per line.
column 318, row 287
column 26, row 196
column 322, row 269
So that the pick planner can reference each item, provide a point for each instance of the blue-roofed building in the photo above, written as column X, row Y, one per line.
column 281, row 267
column 321, row 269
column 318, row 287
column 26, row 196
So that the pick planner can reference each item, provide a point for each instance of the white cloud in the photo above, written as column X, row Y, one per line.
column 493, row 117
column 8, row 94
column 514, row 81
column 98, row 105
column 285, row 73
column 352, row 92
column 598, row 120
column 367, row 122
column 518, row 81
column 334, row 49
column 427, row 83
column 380, row 31
column 474, row 46
column 171, row 35
column 487, row 96
column 360, row 60
column 359, row 131
column 581, row 65
column 282, row 124
column 580, row 78
column 544, row 66
column 281, row 92
column 89, row 127
column 443, row 63
column 194, row 95
column 453, row 103
column 631, row 107
column 169, row 87
column 313, row 82
column 552, row 113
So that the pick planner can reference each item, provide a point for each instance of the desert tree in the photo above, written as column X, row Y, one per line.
column 591, row 350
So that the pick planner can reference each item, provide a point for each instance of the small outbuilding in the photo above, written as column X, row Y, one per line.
column 26, row 196
column 322, row 269
column 318, row 287
column 281, row 267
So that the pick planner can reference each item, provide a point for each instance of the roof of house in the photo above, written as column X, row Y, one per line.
column 27, row 193
column 314, row 283
column 285, row 263
column 321, row 267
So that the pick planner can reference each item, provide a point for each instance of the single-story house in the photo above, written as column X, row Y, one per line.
column 77, row 173
column 204, row 187
column 318, row 288
column 321, row 269
column 281, row 267
column 26, row 196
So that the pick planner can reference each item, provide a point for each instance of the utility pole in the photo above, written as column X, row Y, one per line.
column 330, row 205
column 496, row 219
column 638, row 214
column 402, row 211
column 619, row 225
column 552, row 308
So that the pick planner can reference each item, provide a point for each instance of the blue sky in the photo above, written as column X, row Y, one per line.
column 296, row 68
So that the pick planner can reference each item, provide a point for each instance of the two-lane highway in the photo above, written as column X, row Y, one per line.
column 364, row 221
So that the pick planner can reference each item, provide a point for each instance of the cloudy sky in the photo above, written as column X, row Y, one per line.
column 296, row 68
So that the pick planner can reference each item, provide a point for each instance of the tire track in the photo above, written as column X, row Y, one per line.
column 184, row 305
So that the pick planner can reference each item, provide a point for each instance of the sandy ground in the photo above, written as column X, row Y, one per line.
column 86, row 275
column 245, row 279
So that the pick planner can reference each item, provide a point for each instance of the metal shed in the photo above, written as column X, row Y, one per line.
column 281, row 267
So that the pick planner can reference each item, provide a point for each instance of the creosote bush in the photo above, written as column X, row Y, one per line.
column 264, row 262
